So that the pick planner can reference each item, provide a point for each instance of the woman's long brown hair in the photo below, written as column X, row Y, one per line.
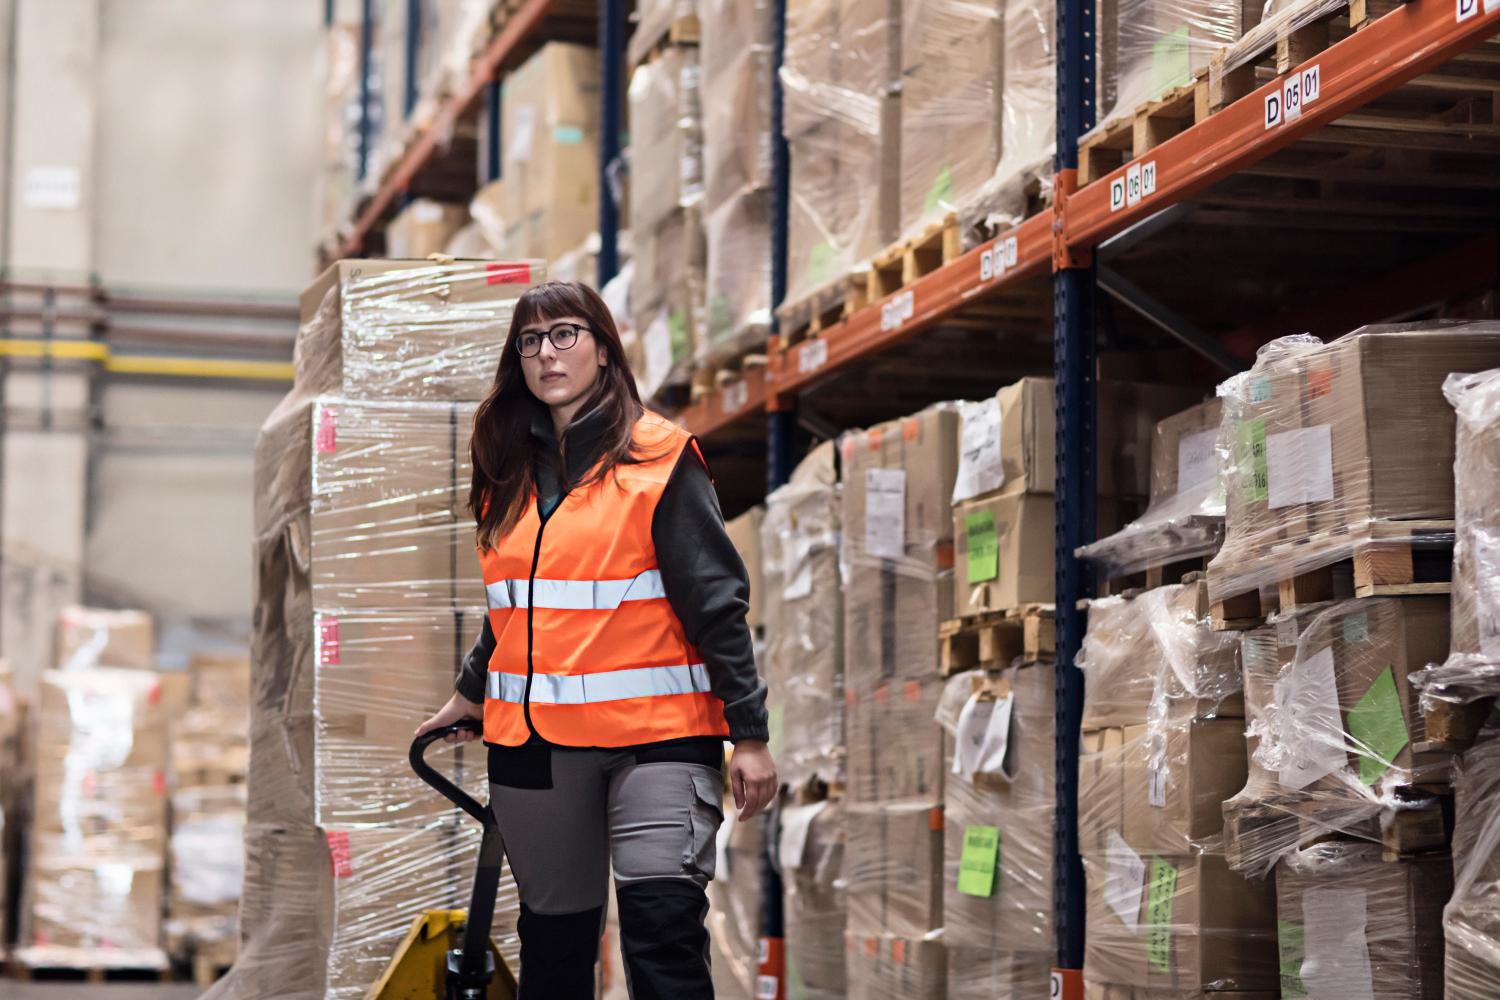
column 503, row 452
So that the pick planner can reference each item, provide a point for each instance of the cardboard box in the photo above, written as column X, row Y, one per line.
column 392, row 329
column 1176, row 782
column 924, row 448
column 894, row 751
column 423, row 227
column 1101, row 789
column 735, row 902
column 95, row 637
column 1350, row 922
column 665, row 118
column 744, row 532
column 816, row 908
column 881, row 966
column 1470, row 973
column 1008, row 562
column 984, row 974
column 1183, row 449
column 93, row 913
column 894, row 868
column 735, row 48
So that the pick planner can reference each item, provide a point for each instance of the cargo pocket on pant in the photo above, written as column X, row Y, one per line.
column 705, row 814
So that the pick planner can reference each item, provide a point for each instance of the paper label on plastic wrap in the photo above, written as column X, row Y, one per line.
column 1171, row 60
column 59, row 188
column 338, row 851
column 982, row 558
column 328, row 430
column 427, row 212
column 518, row 144
column 1356, row 628
column 885, row 513
column 1378, row 728
column 1156, row 786
column 767, row 987
column 1336, row 961
column 1309, row 701
column 796, row 822
column 1196, row 461
column 800, row 583
column 328, row 641
column 114, row 879
column 940, row 192
column 658, row 343
column 1250, row 456
column 1289, row 943
column 1299, row 466
column 976, row 866
column 1123, row 884
column 1286, row 632
column 1159, row 899
column 982, row 736
column 979, row 466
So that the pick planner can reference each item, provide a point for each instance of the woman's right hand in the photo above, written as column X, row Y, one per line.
column 457, row 709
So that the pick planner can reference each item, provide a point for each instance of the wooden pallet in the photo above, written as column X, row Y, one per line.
column 1268, row 48
column 684, row 29
column 820, row 309
column 209, row 969
column 1454, row 728
column 716, row 377
column 1180, row 571
column 916, row 256
column 995, row 639
column 88, row 974
column 1424, row 826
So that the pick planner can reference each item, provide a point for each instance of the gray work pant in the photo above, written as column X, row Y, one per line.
column 654, row 823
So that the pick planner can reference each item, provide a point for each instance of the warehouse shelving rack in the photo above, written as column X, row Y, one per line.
column 1240, row 206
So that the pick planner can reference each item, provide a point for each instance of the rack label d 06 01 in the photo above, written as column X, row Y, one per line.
column 1138, row 184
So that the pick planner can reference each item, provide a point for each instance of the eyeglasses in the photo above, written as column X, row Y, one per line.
column 563, row 336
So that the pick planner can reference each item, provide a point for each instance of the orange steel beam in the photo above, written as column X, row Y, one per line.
column 1403, row 44
column 484, row 69
column 722, row 407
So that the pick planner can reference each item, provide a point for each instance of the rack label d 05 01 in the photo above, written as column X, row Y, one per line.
column 1297, row 92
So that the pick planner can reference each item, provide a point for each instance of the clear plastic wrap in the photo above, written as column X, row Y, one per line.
column 893, row 864
column 339, row 70
column 1007, row 796
column 1029, row 108
column 99, row 637
column 667, row 300
column 377, row 329
column 1336, row 729
column 1342, row 451
column 549, row 195
column 738, row 291
column 1471, row 922
column 817, row 906
column 666, row 127
column 734, row 898
column 840, row 76
column 893, row 968
column 896, row 559
column 97, row 851
column 804, row 613
column 422, row 228
column 1350, row 924
column 736, row 55
column 660, row 20
column 1185, row 519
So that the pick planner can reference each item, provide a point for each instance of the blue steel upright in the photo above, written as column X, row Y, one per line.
column 366, row 43
column 781, row 427
column 413, row 54
column 1073, row 356
column 611, row 97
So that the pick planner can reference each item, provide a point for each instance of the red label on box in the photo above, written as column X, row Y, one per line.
column 913, row 691
column 1319, row 382
column 338, row 850
column 154, row 695
column 898, row 951
column 507, row 274
column 328, row 641
column 876, row 437
column 328, row 430
column 159, row 782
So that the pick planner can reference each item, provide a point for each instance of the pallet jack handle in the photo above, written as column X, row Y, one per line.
column 429, row 774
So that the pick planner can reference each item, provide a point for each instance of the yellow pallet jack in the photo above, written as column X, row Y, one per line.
column 448, row 954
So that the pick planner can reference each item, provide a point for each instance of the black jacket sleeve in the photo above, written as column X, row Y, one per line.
column 476, row 664
column 709, row 591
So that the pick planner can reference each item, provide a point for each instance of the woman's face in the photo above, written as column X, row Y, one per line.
column 556, row 376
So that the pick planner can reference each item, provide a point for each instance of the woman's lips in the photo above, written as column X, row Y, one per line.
column 553, row 377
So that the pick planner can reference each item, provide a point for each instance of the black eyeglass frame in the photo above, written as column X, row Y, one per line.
column 577, row 329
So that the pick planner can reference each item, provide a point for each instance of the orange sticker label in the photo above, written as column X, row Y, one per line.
column 877, row 437
column 911, row 428
column 913, row 691
column 1319, row 382
column 338, row 850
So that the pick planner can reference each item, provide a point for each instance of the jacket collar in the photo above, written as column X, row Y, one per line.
column 584, row 437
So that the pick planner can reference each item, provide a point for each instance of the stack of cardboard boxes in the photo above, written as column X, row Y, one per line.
column 897, row 556
column 13, row 790
column 96, row 868
column 666, row 215
column 737, row 66
column 368, row 594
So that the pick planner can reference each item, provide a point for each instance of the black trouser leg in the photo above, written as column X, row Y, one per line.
column 663, row 940
column 558, row 954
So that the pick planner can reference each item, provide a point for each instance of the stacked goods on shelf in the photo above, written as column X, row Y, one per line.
column 546, row 202
column 841, row 74
column 666, row 216
column 338, row 173
column 896, row 561
column 209, row 757
column 92, row 891
column 368, row 594
column 659, row 22
column 422, row 228
column 997, row 856
column 1342, row 453
column 1003, row 505
column 1184, row 523
column 99, row 637
column 1459, row 695
column 804, row 670
column 736, row 57
column 13, row 791
column 1163, row 746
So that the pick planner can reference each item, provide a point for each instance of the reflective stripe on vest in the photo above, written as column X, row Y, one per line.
column 575, row 595
column 611, row 685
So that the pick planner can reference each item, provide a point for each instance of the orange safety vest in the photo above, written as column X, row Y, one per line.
column 588, row 651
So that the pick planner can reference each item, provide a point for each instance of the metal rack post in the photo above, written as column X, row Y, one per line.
column 1073, row 353
column 413, row 53
column 492, row 123
column 781, row 416
column 366, row 40
column 611, row 92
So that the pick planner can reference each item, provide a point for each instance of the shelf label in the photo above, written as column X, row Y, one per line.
column 1117, row 194
column 1138, row 184
column 1467, row 9
column 736, row 395
column 814, row 355
column 1296, row 93
column 897, row 311
column 999, row 258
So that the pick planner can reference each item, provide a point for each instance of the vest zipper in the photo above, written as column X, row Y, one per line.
column 536, row 556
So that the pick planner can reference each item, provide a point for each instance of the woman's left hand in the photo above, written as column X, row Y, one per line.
column 752, row 777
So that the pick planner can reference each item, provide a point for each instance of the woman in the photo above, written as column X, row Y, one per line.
column 614, row 661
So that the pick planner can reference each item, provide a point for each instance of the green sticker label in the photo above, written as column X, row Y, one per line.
column 1171, row 60
column 940, row 192
column 1260, row 389
column 678, row 328
column 976, row 866
column 1289, row 942
column 820, row 262
column 1378, row 727
column 1250, row 458
column 983, row 546
column 567, row 135
column 1356, row 628
column 776, row 726
column 1159, row 897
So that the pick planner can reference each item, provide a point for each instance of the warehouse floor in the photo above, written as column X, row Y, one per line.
column 13, row 990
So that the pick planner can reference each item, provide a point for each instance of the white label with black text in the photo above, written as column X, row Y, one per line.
column 1156, row 787
column 736, row 395
column 814, row 355
column 1148, row 178
column 1273, row 109
column 1133, row 184
column 1467, row 9
column 1291, row 97
column 885, row 513
column 1117, row 194
column 897, row 311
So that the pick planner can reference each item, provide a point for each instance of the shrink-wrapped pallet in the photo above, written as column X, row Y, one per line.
column 14, row 788
column 734, row 898
column 893, row 968
column 811, row 853
column 1471, row 922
